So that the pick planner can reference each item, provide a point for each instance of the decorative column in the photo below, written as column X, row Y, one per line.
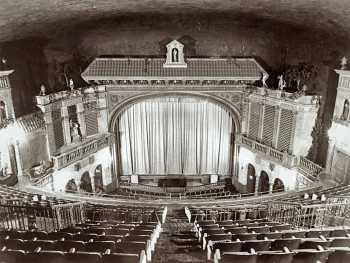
column 271, row 187
column 81, row 119
column 257, row 184
column 50, row 136
column 65, row 125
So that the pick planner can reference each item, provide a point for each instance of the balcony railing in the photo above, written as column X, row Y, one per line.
column 267, row 151
column 81, row 151
column 308, row 168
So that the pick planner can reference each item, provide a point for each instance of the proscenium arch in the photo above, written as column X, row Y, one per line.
column 119, row 108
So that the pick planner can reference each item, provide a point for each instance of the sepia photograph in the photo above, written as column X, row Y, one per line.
column 174, row 131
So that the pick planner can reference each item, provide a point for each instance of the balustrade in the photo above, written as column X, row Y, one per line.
column 46, row 218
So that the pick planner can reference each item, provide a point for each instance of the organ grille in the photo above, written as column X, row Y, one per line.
column 254, row 120
column 90, row 113
column 268, row 125
column 57, row 128
column 286, row 128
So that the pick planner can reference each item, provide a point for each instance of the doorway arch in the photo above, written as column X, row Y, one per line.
column 85, row 183
column 278, row 185
column 264, row 183
column 71, row 186
column 98, row 180
column 251, row 179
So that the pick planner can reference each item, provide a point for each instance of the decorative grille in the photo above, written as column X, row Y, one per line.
column 57, row 128
column 90, row 114
column 254, row 120
column 268, row 125
column 286, row 130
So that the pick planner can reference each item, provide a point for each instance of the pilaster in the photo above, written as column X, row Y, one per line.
column 66, row 125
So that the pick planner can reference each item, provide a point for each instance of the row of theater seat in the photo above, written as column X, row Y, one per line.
column 263, row 241
column 94, row 240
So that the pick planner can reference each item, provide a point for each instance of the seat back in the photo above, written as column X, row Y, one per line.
column 340, row 242
column 83, row 257
column 228, row 246
column 339, row 256
column 311, row 256
column 120, row 258
column 257, row 245
column 290, row 243
column 244, row 236
column 237, row 230
column 238, row 257
column 68, row 244
column 99, row 246
column 317, row 233
column 271, row 235
column 274, row 256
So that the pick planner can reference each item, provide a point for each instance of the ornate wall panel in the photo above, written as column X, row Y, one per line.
column 286, row 130
column 57, row 128
column 268, row 124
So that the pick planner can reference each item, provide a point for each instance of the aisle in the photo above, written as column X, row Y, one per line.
column 177, row 242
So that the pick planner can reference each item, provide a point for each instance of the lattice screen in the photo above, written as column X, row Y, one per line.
column 90, row 114
column 268, row 125
column 254, row 120
column 286, row 130
column 57, row 128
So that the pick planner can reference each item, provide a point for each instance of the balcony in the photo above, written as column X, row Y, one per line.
column 268, row 152
column 306, row 167
column 82, row 150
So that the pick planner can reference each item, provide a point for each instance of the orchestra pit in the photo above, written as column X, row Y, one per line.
column 171, row 131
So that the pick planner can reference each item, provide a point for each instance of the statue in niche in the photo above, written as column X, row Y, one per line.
column 42, row 90
column 175, row 55
column 71, row 84
column 281, row 83
column 345, row 114
column 75, row 134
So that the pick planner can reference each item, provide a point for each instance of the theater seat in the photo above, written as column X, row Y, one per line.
column 120, row 258
column 69, row 244
column 45, row 256
column 340, row 242
column 339, row 256
column 99, row 246
column 257, row 245
column 290, row 243
column 241, row 257
column 310, row 255
column 83, row 257
column 275, row 257
column 12, row 255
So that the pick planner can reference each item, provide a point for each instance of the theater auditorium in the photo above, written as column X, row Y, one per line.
column 171, row 131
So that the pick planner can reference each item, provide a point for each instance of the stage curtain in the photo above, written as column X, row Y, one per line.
column 175, row 135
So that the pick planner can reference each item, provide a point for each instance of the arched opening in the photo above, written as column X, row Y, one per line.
column 71, row 186
column 278, row 185
column 175, row 55
column 251, row 179
column 264, row 183
column 98, row 180
column 85, row 183
column 176, row 134
column 345, row 113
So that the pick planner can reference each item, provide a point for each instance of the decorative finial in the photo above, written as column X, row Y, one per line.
column 71, row 84
column 343, row 63
column 264, row 79
column 281, row 83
